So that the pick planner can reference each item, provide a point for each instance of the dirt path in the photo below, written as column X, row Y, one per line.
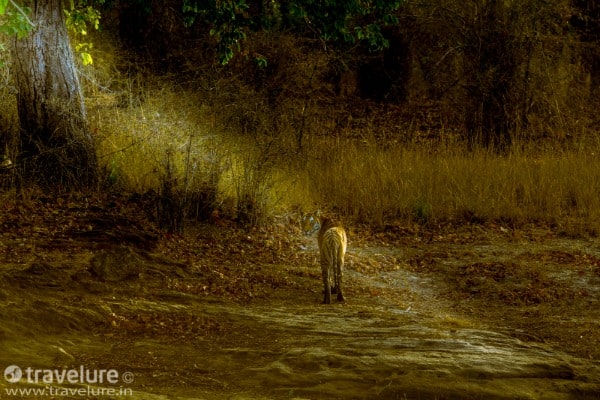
column 467, row 313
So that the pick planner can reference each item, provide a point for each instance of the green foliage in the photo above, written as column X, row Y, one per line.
column 15, row 19
column 372, row 35
column 79, row 17
column 345, row 22
column 228, row 22
column 337, row 21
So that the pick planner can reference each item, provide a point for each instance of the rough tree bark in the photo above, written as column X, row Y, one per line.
column 57, row 149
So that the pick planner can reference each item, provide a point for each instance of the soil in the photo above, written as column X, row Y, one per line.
column 454, row 311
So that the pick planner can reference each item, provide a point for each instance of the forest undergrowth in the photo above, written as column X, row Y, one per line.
column 247, row 145
column 407, row 175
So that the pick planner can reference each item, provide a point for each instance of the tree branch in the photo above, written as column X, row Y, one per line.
column 23, row 13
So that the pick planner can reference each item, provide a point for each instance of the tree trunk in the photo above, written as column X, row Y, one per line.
column 57, row 149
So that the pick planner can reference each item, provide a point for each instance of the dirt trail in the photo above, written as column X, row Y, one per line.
column 451, row 316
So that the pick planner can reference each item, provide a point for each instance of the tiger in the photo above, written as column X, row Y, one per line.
column 332, row 247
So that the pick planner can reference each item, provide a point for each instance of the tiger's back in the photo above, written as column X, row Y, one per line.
column 332, row 247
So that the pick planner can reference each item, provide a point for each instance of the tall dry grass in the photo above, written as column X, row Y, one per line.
column 167, row 137
column 370, row 180
column 430, row 184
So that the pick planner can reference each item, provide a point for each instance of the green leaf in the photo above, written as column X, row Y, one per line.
column 3, row 4
column 86, row 59
column 226, row 56
column 391, row 19
column 260, row 61
column 84, row 52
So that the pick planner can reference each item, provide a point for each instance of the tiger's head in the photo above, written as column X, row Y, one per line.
column 310, row 223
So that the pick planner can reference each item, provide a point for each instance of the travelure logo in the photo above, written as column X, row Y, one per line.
column 12, row 374
column 73, row 376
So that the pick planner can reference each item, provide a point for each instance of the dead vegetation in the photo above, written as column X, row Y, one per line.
column 510, row 283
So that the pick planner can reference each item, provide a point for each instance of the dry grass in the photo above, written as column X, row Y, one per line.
column 376, row 185
column 168, row 136
column 361, row 179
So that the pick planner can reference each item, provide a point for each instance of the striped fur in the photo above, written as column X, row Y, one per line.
column 332, row 246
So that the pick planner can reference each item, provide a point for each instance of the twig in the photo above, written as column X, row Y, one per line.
column 23, row 13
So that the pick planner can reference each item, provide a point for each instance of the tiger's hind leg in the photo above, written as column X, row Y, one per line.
column 334, row 286
column 326, row 285
column 338, row 279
